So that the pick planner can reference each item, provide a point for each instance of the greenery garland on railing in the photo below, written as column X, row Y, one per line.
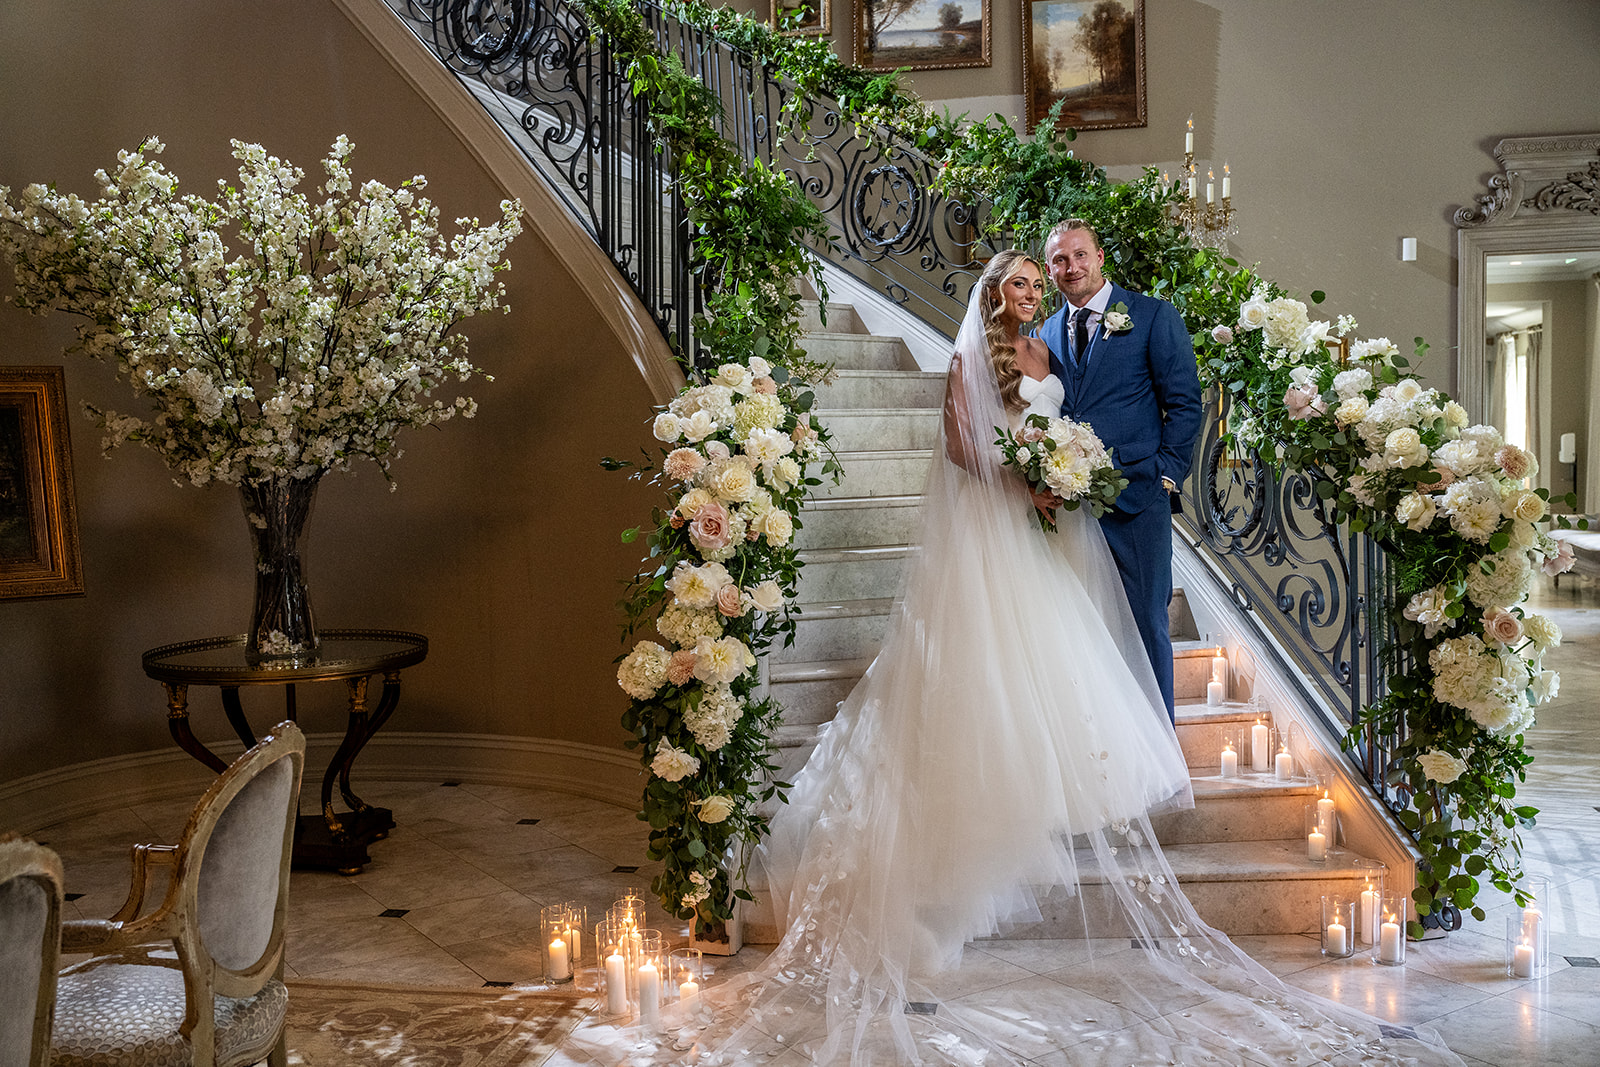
column 1388, row 455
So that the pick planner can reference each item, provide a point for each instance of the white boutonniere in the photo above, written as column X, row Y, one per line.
column 1116, row 319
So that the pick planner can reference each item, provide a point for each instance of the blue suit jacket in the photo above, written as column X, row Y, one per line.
column 1140, row 393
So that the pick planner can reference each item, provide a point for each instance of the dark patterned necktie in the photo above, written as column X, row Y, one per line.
column 1080, row 343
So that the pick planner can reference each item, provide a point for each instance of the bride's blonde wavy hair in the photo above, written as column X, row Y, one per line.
column 991, row 304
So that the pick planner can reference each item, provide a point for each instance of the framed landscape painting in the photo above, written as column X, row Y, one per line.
column 812, row 21
column 922, row 34
column 38, row 513
column 1088, row 53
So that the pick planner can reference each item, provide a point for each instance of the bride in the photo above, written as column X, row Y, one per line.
column 996, row 767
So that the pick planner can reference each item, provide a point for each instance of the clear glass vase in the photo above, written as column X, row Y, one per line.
column 282, row 630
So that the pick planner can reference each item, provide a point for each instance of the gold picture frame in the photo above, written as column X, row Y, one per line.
column 39, row 554
column 815, row 20
column 917, row 35
column 1089, row 53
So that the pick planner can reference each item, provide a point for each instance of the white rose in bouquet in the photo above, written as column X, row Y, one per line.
column 673, row 764
column 768, row 596
column 1253, row 314
column 715, row 808
column 1441, row 767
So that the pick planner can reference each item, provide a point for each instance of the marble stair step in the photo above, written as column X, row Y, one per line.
column 882, row 389
column 1252, row 807
column 1203, row 730
column 841, row 629
column 842, row 318
column 858, row 351
column 865, row 573
column 867, row 429
column 892, row 472
column 858, row 521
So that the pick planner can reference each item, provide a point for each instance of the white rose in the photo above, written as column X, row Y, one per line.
column 1351, row 411
column 1456, row 415
column 667, row 427
column 1543, row 631
column 716, row 808
column 1545, row 686
column 690, row 503
column 1416, row 510
column 1407, row 389
column 673, row 764
column 1441, row 767
column 1253, row 314
column 760, row 368
column 768, row 596
column 699, row 426
column 1404, row 448
column 1303, row 378
column 785, row 474
column 735, row 377
column 1525, row 505
column 734, row 483
column 778, row 527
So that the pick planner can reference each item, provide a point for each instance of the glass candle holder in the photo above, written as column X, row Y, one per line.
column 1229, row 759
column 611, row 952
column 1392, row 930
column 1369, row 900
column 649, row 979
column 1527, row 932
column 1318, row 839
column 1338, row 926
column 556, row 949
column 685, row 977
column 577, row 943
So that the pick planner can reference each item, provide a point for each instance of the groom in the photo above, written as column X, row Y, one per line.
column 1129, row 372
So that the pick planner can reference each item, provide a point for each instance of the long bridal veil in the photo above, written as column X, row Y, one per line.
column 994, row 772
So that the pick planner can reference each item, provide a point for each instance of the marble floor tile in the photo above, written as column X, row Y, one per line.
column 1571, row 991
column 453, row 922
column 1401, row 995
column 427, row 965
column 1509, row 1033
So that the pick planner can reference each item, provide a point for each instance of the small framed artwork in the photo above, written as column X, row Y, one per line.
column 1338, row 350
column 38, row 512
column 807, row 17
column 922, row 34
column 1088, row 54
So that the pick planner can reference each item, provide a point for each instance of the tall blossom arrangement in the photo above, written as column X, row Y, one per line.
column 736, row 448
column 310, row 343
column 1450, row 502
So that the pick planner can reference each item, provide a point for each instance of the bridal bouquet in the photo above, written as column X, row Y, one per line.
column 1066, row 458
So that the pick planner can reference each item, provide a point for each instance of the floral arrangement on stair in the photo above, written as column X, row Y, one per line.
column 1445, row 499
column 313, row 344
column 740, row 453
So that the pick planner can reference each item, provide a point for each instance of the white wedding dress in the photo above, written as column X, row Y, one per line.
column 996, row 766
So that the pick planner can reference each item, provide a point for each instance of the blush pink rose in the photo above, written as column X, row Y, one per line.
column 709, row 528
column 1514, row 461
column 765, row 385
column 681, row 667
column 1561, row 562
column 730, row 601
column 1303, row 404
column 1446, row 476
column 1502, row 626
column 1222, row 334
column 1030, row 434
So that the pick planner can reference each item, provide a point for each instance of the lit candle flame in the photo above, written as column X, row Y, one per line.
column 1225, row 169
column 1210, row 175
column 1191, row 122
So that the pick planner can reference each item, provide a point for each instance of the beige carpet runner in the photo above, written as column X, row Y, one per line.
column 343, row 1024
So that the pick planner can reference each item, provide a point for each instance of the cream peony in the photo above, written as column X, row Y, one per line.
column 721, row 661
column 697, row 587
column 673, row 764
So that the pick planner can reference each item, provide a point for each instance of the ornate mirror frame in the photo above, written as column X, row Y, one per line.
column 1545, row 199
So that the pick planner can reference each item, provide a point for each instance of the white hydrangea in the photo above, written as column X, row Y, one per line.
column 712, row 718
column 1506, row 582
column 644, row 670
column 760, row 411
column 685, row 626
column 1352, row 383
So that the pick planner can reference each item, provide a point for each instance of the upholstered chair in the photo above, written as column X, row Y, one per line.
column 30, row 950
column 199, row 980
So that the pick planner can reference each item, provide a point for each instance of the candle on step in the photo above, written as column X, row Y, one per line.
column 1260, row 736
column 1215, row 693
column 1219, row 668
column 560, row 961
column 1522, row 961
column 1391, row 942
column 1316, row 846
column 1230, row 762
column 1325, row 815
column 1283, row 765
column 1369, row 915
column 649, row 992
column 616, row 982
column 1338, row 939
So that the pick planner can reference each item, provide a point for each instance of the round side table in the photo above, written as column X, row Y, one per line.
column 326, row 840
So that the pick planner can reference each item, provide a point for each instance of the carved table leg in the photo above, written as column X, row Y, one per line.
column 178, row 725
column 339, row 765
column 235, row 712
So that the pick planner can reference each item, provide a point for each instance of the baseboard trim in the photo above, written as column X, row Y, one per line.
column 36, row 801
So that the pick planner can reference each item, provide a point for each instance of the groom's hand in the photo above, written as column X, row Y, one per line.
column 1046, row 501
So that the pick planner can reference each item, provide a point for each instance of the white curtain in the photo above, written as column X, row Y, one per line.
column 1502, row 361
column 1536, row 398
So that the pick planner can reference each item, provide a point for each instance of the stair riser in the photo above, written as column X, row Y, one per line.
column 842, row 318
column 882, row 390
column 1202, row 745
column 849, row 580
column 878, row 476
column 870, row 430
column 859, row 353
column 858, row 527
column 1248, row 818
column 823, row 639
column 1190, row 676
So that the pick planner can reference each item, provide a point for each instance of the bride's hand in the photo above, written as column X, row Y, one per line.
column 1046, row 501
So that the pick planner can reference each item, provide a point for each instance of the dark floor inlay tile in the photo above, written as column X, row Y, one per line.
column 449, row 785
column 498, row 985
column 1385, row 1030
column 624, row 870
column 527, row 822
column 1139, row 942
column 72, row 896
column 921, row 1007
column 392, row 913
column 1582, row 961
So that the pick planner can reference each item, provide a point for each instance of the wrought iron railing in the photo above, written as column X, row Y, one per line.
column 1315, row 589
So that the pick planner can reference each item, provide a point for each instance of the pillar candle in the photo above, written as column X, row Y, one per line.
column 575, row 941
column 649, row 992
column 1215, row 693
column 1316, row 846
column 1211, row 188
column 1188, row 137
column 616, row 983
column 1225, row 181
column 1259, row 736
column 560, row 961
column 1391, row 943
column 1369, row 915
column 1283, row 766
column 1219, row 668
column 1338, row 940
column 1522, row 961
column 1325, row 814
column 1569, row 448
column 1531, row 920
column 687, row 990
column 1230, row 763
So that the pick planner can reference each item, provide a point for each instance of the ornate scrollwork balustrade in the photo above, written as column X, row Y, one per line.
column 1316, row 590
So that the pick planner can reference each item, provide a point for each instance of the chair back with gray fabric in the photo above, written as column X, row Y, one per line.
column 30, row 950
column 200, row 979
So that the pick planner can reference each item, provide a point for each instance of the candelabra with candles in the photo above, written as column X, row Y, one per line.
column 1208, row 223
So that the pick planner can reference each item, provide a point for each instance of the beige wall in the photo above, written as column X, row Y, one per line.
column 1348, row 125
column 501, row 542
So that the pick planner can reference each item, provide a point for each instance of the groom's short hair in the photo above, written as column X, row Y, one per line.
column 1066, row 226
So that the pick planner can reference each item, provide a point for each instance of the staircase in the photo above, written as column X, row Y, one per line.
column 1239, row 854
